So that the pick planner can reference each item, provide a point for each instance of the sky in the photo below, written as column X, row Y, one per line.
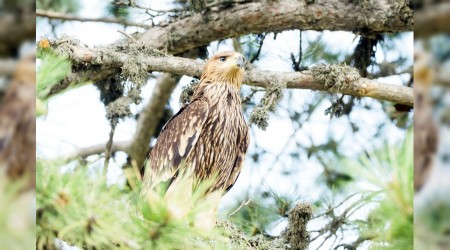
column 76, row 119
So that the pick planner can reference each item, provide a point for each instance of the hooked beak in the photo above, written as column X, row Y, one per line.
column 240, row 61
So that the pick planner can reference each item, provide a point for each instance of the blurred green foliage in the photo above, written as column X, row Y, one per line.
column 389, row 169
column 80, row 208
column 51, row 70
column 17, row 221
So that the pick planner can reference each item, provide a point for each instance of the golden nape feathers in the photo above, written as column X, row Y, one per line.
column 18, row 123
column 208, row 137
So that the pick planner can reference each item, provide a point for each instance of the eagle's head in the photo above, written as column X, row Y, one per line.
column 225, row 67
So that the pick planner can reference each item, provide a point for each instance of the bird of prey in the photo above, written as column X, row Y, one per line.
column 18, row 123
column 208, row 137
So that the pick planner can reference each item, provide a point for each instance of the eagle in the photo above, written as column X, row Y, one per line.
column 208, row 138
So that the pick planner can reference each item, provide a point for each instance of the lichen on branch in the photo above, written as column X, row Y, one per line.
column 296, row 233
column 273, row 95
column 188, row 91
column 335, row 77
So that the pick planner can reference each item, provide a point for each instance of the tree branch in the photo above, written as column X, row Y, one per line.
column 261, row 78
column 150, row 117
column 268, row 16
column 432, row 20
column 68, row 17
column 96, row 149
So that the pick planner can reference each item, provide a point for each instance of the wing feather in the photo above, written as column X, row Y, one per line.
column 240, row 158
column 175, row 142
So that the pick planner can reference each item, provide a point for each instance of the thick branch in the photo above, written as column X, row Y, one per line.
column 432, row 20
column 68, row 17
column 277, row 16
column 150, row 117
column 182, row 66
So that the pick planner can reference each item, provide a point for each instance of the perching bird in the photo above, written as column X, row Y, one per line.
column 208, row 137
column 18, row 123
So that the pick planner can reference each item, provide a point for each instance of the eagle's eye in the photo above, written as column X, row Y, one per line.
column 222, row 59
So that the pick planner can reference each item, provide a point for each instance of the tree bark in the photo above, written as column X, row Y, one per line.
column 275, row 16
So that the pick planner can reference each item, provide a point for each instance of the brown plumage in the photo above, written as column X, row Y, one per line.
column 208, row 137
column 18, row 123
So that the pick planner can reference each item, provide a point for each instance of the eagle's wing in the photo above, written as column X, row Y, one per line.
column 175, row 142
column 240, row 158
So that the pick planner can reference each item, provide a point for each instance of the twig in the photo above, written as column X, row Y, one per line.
column 68, row 17
column 95, row 149
column 324, row 240
column 133, row 4
column 333, row 208
column 114, row 121
column 261, row 42
column 125, row 34
column 244, row 203
column 250, row 96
